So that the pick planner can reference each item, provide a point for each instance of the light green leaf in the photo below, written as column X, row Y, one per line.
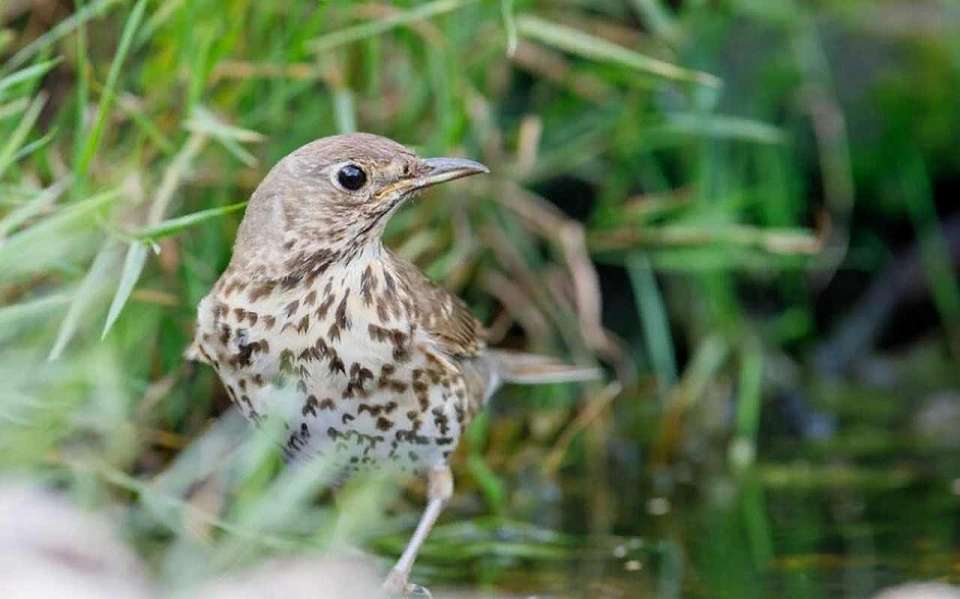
column 749, row 395
column 16, row 139
column 13, row 108
column 180, row 223
column 132, row 267
column 20, row 245
column 583, row 44
column 18, row 315
column 510, row 25
column 719, row 126
column 374, row 28
column 204, row 121
column 31, row 72
column 35, row 145
column 62, row 29
column 768, row 239
column 109, row 88
column 657, row 18
column 93, row 282
column 32, row 208
column 344, row 110
column 653, row 316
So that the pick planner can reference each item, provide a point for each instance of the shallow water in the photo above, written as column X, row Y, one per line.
column 839, row 527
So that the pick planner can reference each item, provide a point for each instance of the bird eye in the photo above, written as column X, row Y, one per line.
column 351, row 177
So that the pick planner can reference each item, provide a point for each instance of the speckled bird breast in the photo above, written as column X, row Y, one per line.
column 348, row 372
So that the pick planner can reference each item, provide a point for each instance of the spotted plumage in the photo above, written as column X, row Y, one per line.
column 364, row 360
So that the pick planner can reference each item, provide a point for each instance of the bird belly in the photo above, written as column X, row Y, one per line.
column 371, row 412
column 356, row 393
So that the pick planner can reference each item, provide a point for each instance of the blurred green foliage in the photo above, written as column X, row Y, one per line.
column 724, row 180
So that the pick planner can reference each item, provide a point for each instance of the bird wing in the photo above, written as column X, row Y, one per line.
column 193, row 353
column 453, row 329
column 443, row 316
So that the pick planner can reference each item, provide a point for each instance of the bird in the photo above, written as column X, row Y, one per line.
column 365, row 361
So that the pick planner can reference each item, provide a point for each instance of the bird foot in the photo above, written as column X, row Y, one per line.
column 397, row 585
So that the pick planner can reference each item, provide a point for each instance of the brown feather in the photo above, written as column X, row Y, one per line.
column 444, row 316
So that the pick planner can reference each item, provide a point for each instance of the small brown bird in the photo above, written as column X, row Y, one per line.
column 364, row 359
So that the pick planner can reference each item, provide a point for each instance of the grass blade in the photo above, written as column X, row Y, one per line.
column 176, row 225
column 720, row 127
column 657, row 18
column 699, row 374
column 13, row 108
column 37, row 205
column 32, row 72
column 653, row 317
column 344, row 110
column 743, row 448
column 12, row 317
column 173, row 175
column 374, row 28
column 34, row 145
column 9, row 151
column 21, row 243
column 582, row 44
column 132, row 267
column 771, row 240
column 934, row 248
column 237, row 151
column 81, row 104
column 133, row 109
column 97, row 275
column 204, row 122
column 509, row 25
column 109, row 88
column 62, row 29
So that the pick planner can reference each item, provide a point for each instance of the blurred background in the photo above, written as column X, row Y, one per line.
column 744, row 210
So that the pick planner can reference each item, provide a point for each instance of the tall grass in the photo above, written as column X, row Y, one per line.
column 686, row 153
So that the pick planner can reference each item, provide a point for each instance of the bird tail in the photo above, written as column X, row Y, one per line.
column 532, row 369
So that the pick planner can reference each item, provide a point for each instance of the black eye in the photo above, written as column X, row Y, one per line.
column 352, row 177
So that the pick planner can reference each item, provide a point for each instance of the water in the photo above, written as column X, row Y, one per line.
column 812, row 526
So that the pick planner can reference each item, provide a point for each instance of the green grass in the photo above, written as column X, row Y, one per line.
column 735, row 160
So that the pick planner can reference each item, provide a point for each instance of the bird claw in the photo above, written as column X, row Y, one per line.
column 396, row 585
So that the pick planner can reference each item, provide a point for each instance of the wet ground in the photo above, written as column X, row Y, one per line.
column 872, row 504
column 796, row 530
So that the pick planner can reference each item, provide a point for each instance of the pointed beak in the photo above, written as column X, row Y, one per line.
column 431, row 172
column 440, row 170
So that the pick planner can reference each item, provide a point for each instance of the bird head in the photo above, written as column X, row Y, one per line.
column 337, row 193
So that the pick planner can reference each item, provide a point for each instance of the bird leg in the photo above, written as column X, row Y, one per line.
column 439, row 491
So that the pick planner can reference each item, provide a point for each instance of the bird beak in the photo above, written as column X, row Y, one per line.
column 431, row 172
column 440, row 170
